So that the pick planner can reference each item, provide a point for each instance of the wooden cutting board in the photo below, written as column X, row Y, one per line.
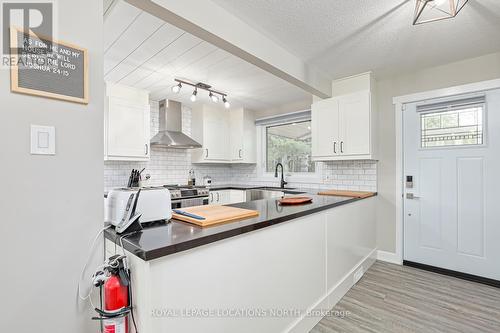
column 215, row 214
column 342, row 193
column 294, row 200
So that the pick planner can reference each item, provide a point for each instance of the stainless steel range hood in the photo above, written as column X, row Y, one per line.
column 170, row 134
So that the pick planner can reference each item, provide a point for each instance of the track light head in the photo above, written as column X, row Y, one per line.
column 177, row 88
column 213, row 97
column 193, row 96
column 226, row 103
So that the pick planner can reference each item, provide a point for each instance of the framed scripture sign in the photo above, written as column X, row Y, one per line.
column 48, row 68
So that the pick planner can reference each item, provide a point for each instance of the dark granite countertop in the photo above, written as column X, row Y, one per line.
column 159, row 240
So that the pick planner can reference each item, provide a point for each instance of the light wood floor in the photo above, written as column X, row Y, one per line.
column 391, row 298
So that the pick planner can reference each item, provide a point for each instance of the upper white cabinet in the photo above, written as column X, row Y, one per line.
column 227, row 136
column 126, row 124
column 343, row 127
column 243, row 136
column 210, row 127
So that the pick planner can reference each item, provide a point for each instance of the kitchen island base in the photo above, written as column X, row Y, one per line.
column 282, row 278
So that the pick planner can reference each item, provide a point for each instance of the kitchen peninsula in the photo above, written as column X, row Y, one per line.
column 289, row 260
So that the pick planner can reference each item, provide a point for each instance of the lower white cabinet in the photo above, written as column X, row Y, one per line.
column 236, row 196
column 226, row 197
column 126, row 124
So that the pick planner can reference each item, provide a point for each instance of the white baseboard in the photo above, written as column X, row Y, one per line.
column 388, row 257
column 333, row 296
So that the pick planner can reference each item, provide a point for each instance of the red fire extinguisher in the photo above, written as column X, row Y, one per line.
column 116, row 298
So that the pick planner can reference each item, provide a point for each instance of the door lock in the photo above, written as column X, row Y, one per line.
column 409, row 181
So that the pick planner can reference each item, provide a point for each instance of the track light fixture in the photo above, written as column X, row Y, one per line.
column 212, row 94
column 177, row 88
column 213, row 97
column 226, row 103
column 193, row 96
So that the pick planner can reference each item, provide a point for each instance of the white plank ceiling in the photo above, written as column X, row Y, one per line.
column 143, row 51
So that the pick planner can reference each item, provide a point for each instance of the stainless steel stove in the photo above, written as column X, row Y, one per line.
column 187, row 196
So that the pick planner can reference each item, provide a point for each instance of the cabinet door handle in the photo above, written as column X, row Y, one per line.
column 239, row 153
column 342, row 147
column 206, row 155
column 218, row 196
column 335, row 147
column 147, row 148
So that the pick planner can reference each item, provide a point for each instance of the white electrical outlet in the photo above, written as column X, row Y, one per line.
column 358, row 275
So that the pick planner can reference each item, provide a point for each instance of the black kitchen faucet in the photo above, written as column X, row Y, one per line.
column 282, row 181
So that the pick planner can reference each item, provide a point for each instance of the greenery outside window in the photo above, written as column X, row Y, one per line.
column 290, row 145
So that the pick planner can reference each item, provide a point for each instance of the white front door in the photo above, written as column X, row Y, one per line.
column 453, row 219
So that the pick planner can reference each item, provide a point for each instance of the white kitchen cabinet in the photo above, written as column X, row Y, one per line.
column 221, row 197
column 236, row 196
column 226, row 197
column 227, row 136
column 343, row 128
column 243, row 136
column 126, row 124
column 210, row 127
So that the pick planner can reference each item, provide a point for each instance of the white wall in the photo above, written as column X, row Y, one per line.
column 51, row 205
column 472, row 70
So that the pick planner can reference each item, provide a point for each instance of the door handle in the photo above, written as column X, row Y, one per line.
column 218, row 196
column 342, row 147
column 211, row 197
column 206, row 155
column 335, row 147
column 239, row 153
column 147, row 148
column 411, row 196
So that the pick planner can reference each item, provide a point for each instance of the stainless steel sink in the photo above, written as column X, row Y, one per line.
column 259, row 194
column 269, row 193
column 270, row 188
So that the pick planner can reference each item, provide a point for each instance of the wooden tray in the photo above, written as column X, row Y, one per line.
column 294, row 200
column 215, row 214
column 342, row 193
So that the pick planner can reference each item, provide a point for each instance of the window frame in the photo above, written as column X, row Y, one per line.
column 484, row 144
column 295, row 177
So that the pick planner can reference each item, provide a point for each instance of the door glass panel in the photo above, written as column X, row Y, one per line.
column 458, row 127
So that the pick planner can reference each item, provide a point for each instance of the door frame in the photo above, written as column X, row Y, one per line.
column 399, row 106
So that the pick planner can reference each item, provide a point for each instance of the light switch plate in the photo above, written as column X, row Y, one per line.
column 43, row 140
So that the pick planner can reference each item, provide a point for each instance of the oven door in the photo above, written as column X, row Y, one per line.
column 182, row 203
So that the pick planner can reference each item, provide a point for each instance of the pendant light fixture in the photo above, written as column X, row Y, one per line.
column 212, row 94
column 435, row 10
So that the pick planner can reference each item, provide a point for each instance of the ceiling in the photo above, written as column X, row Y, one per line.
column 346, row 37
column 145, row 52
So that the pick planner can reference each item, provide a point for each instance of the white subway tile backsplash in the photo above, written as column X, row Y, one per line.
column 171, row 166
